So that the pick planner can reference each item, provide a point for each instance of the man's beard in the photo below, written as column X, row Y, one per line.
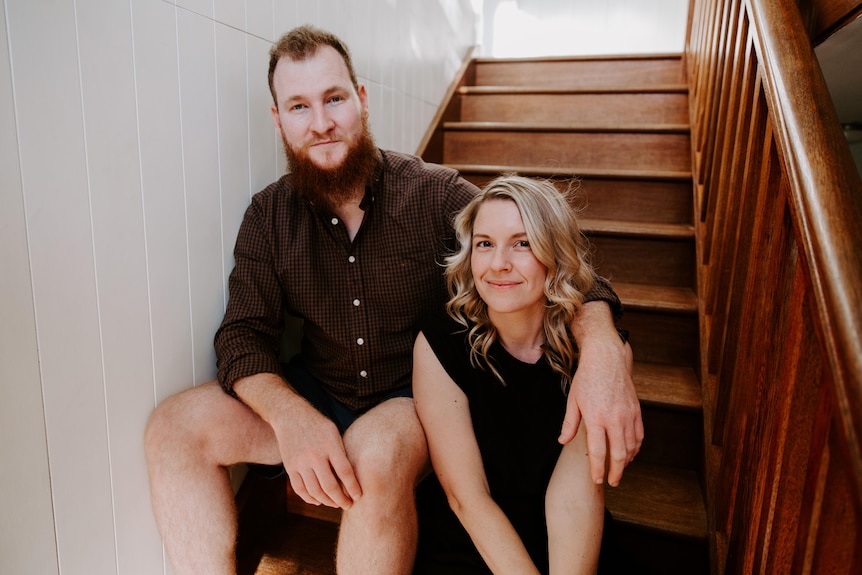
column 327, row 189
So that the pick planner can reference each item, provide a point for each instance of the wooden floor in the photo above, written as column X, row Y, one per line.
column 296, row 545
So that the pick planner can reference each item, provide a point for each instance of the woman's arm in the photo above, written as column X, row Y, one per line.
column 457, row 461
column 574, row 508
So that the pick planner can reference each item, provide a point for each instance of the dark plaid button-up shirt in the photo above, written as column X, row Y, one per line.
column 361, row 302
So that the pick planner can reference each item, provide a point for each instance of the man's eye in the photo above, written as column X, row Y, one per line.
column 336, row 99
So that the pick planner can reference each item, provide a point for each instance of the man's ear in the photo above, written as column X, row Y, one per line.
column 363, row 96
column 275, row 117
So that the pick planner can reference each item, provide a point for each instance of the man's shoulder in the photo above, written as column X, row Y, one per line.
column 279, row 189
column 411, row 166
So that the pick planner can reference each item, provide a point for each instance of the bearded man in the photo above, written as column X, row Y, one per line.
column 349, row 240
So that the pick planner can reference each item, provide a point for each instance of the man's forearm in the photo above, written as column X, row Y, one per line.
column 268, row 394
column 594, row 321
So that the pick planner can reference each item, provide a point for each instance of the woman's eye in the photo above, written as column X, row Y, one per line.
column 483, row 244
column 523, row 244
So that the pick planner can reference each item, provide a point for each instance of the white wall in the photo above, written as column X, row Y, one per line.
column 133, row 135
column 518, row 28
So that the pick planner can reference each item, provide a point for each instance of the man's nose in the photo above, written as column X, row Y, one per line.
column 321, row 121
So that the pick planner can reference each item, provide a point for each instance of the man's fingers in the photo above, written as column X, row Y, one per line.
column 318, row 491
column 570, row 424
column 597, row 449
column 349, row 483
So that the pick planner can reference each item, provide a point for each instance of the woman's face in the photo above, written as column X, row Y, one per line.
column 507, row 275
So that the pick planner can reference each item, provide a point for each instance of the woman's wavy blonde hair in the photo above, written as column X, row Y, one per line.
column 551, row 224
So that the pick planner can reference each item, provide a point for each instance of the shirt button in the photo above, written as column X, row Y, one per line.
column 360, row 341
column 363, row 373
column 351, row 259
column 356, row 302
column 334, row 221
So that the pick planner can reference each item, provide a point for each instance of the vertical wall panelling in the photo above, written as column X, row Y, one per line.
column 45, row 66
column 110, row 125
column 200, row 7
column 233, row 138
column 230, row 12
column 259, row 18
column 137, row 132
column 264, row 144
column 198, row 100
column 159, row 133
column 25, row 498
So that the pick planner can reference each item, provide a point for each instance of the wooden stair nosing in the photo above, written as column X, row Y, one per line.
column 618, row 228
column 666, row 299
column 579, row 128
column 667, row 386
column 660, row 499
column 564, row 90
column 551, row 172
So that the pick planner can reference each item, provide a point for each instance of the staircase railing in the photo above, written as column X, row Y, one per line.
column 779, row 226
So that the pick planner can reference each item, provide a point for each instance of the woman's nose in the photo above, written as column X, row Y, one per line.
column 501, row 260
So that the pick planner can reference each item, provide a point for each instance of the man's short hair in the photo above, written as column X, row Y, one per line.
column 303, row 42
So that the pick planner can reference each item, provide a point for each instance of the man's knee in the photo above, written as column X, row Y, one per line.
column 388, row 449
column 175, row 424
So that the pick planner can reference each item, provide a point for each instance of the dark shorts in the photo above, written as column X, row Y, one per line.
column 313, row 390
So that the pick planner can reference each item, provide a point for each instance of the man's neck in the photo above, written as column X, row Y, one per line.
column 351, row 214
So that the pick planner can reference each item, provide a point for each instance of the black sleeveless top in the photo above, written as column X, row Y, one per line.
column 516, row 427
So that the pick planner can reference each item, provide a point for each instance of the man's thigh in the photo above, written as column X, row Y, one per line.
column 209, row 420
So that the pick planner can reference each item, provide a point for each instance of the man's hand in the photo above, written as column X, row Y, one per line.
column 311, row 447
column 315, row 460
column 603, row 395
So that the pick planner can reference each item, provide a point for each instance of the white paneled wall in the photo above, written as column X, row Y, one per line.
column 134, row 133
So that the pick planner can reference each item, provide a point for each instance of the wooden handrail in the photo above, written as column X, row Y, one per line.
column 778, row 201
column 827, row 195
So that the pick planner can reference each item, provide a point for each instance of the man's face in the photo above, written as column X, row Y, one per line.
column 319, row 111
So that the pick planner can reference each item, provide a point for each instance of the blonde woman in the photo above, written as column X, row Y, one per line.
column 490, row 379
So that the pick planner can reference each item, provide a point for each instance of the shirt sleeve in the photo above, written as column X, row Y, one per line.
column 602, row 291
column 248, row 340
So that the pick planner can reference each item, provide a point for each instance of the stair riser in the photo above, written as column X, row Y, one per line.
column 658, row 337
column 673, row 438
column 644, row 260
column 663, row 202
column 587, row 73
column 569, row 150
column 660, row 554
column 591, row 109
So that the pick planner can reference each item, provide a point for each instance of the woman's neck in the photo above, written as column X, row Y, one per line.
column 522, row 336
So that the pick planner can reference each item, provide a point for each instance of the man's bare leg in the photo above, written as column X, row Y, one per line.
column 190, row 440
column 379, row 532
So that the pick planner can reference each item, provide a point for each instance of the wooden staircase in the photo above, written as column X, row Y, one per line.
column 620, row 125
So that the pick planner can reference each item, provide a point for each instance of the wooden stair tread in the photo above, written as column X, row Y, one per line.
column 658, row 498
column 585, row 172
column 596, row 89
column 556, row 127
column 668, row 386
column 657, row 298
column 640, row 229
